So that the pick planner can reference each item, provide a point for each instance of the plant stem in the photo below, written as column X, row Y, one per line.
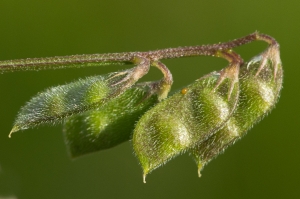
column 77, row 61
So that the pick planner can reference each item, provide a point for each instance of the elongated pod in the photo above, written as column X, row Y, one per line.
column 57, row 103
column 177, row 123
column 259, row 93
column 108, row 125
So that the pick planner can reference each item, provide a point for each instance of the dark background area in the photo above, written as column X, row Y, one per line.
column 35, row 164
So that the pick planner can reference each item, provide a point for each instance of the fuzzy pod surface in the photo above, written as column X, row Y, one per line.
column 56, row 103
column 258, row 96
column 180, row 121
column 108, row 125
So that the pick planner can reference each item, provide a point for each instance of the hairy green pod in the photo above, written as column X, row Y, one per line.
column 182, row 120
column 258, row 96
column 57, row 103
column 109, row 125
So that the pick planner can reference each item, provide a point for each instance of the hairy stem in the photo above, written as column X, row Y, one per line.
column 76, row 61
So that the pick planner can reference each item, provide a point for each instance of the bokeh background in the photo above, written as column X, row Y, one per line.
column 35, row 164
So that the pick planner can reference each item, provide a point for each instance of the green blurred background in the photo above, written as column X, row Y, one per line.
column 35, row 164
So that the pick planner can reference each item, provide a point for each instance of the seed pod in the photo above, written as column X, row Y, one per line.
column 258, row 94
column 59, row 102
column 180, row 121
column 109, row 125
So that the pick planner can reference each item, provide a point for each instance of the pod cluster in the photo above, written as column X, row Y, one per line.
column 203, row 122
column 201, row 119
